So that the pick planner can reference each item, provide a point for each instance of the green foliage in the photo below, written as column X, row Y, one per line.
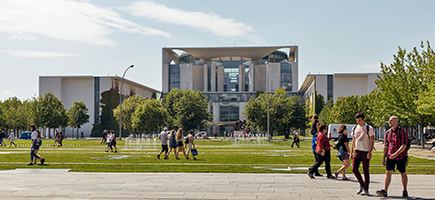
column 129, row 106
column 319, row 103
column 49, row 112
column 78, row 114
column 325, row 116
column 284, row 112
column 191, row 110
column 109, row 101
column 149, row 116
column 345, row 109
column 14, row 113
column 404, row 82
column 187, row 109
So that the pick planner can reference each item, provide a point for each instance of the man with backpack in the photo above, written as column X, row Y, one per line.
column 363, row 139
column 396, row 151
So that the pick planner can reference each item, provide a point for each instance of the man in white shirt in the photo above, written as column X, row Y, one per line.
column 363, row 139
column 164, row 139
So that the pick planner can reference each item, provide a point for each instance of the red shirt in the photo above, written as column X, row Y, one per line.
column 323, row 142
column 394, row 139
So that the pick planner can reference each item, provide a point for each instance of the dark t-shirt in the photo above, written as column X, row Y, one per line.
column 314, row 128
column 342, row 138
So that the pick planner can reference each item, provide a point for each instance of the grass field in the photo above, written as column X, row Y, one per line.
column 214, row 156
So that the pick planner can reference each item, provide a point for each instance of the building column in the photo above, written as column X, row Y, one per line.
column 241, row 78
column 220, row 78
column 241, row 109
column 186, row 76
column 205, row 78
column 216, row 112
column 213, row 78
column 251, row 77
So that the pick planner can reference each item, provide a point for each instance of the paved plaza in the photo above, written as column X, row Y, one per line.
column 61, row 184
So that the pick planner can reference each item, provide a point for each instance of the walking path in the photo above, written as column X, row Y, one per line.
column 60, row 184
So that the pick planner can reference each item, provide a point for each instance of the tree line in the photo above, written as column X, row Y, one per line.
column 46, row 111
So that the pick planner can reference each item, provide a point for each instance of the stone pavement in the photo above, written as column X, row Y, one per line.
column 60, row 184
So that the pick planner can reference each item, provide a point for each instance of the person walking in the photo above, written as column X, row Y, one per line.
column 343, row 148
column 111, row 141
column 35, row 137
column 316, row 156
column 190, row 146
column 172, row 145
column 164, row 141
column 315, row 124
column 324, row 150
column 396, row 152
column 2, row 136
column 362, row 142
column 56, row 137
column 180, row 145
column 104, row 139
column 296, row 139
column 12, row 138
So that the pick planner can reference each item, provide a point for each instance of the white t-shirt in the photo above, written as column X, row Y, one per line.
column 362, row 141
column 34, row 135
column 12, row 136
column 163, row 137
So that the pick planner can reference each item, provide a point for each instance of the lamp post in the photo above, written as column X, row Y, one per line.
column 267, row 92
column 120, row 102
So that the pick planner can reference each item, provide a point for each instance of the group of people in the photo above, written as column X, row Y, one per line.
column 11, row 137
column 58, row 137
column 109, row 138
column 394, row 157
column 176, row 144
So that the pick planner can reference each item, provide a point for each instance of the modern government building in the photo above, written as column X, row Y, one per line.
column 229, row 76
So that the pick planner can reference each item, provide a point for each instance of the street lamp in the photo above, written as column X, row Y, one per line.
column 120, row 102
column 267, row 92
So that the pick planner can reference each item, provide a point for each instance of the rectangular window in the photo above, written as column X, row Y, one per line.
column 174, row 76
column 97, row 100
column 286, row 76
column 228, row 112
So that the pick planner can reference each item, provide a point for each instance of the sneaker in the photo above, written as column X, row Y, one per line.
column 336, row 175
column 360, row 190
column 405, row 193
column 116, row 151
column 42, row 161
column 166, row 158
column 187, row 158
column 178, row 158
column 310, row 175
column 318, row 174
column 195, row 159
column 30, row 163
column 330, row 177
column 158, row 156
column 366, row 192
column 382, row 193
column 345, row 179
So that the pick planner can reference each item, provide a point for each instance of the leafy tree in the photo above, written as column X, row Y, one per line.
column 319, row 103
column 15, row 113
column 168, row 102
column 129, row 106
column 109, row 101
column 191, row 110
column 284, row 112
column 402, row 84
column 345, row 109
column 325, row 116
column 149, row 116
column 78, row 115
column 50, row 111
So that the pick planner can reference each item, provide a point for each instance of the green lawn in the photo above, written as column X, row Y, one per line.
column 214, row 156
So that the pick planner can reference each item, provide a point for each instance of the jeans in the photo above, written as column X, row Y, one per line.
column 358, row 157
column 327, row 159
column 316, row 156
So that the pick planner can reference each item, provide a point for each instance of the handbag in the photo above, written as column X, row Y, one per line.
column 341, row 153
column 194, row 152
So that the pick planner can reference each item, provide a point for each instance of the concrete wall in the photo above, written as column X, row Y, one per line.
column 50, row 84
column 186, row 76
column 260, row 78
column 274, row 76
column 198, row 77
column 322, row 85
column 349, row 85
column 220, row 78
column 295, row 77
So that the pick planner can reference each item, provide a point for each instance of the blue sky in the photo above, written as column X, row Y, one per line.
column 103, row 37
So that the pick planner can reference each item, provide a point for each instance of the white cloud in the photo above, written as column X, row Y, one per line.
column 36, row 54
column 71, row 20
column 215, row 24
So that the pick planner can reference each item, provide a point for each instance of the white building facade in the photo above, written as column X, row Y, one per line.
column 332, row 86
column 230, row 76
column 88, row 89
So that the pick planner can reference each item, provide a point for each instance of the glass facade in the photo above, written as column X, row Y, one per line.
column 229, row 97
column 231, row 74
column 174, row 76
column 228, row 112
column 97, row 100
column 186, row 59
column 286, row 76
column 330, row 87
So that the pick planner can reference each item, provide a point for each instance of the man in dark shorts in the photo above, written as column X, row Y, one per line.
column 395, row 149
